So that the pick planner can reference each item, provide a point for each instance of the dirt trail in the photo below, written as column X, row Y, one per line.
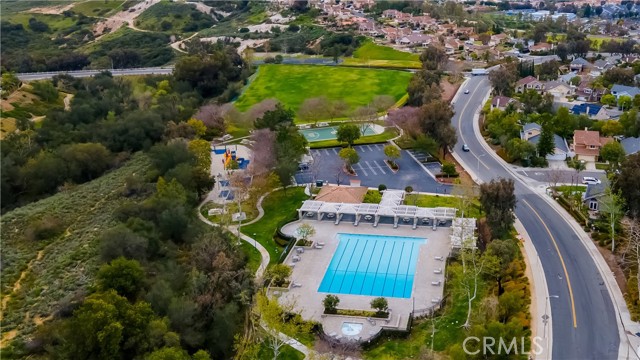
column 53, row 10
column 67, row 102
column 114, row 22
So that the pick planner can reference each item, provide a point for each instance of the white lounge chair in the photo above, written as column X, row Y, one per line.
column 436, row 283
column 437, row 271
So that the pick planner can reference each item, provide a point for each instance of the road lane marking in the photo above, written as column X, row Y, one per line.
column 460, row 126
column 564, row 267
column 380, row 167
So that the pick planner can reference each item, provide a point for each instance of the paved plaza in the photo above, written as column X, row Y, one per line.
column 311, row 265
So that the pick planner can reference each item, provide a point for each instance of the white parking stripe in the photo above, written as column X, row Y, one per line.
column 378, row 146
column 335, row 151
column 380, row 167
column 326, row 151
column 371, row 168
column 361, row 169
column 369, row 147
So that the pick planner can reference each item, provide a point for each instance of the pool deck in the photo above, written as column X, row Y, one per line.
column 310, row 270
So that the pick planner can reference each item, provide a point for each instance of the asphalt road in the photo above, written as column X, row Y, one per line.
column 88, row 73
column 584, row 319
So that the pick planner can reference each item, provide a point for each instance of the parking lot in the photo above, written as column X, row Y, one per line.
column 371, row 170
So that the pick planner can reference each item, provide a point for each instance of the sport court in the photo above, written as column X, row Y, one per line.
column 372, row 265
column 331, row 132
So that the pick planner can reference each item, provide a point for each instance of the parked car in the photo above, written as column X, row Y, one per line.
column 590, row 180
column 465, row 147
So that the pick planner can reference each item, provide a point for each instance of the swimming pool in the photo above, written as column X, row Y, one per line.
column 330, row 133
column 372, row 265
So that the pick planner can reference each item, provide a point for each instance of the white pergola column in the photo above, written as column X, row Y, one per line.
column 415, row 222
column 376, row 219
column 355, row 223
column 395, row 221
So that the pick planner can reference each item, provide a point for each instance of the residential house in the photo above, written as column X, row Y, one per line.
column 501, row 102
column 541, row 47
column 587, row 92
column 531, row 132
column 368, row 27
column 416, row 39
column 529, row 83
column 498, row 39
column 631, row 145
column 579, row 65
column 393, row 35
column 566, row 78
column 424, row 22
column 391, row 13
column 591, row 110
column 587, row 144
column 558, row 89
column 451, row 45
column 592, row 195
column 623, row 90
column 602, row 65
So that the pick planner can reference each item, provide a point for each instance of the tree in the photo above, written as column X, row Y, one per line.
column 502, row 79
column 214, row 118
column 279, row 319
column 613, row 153
column 392, row 152
column 348, row 133
column 546, row 144
column 630, row 121
column 618, row 75
column 381, row 305
column 425, row 144
column 350, row 157
column 120, row 241
column 484, row 38
column 608, row 100
column 449, row 169
column 201, row 150
column 279, row 274
column 549, row 70
column 199, row 129
column 122, row 275
column 498, row 202
column 562, row 51
column 330, row 303
column 9, row 83
column 272, row 118
column 305, row 230
column 433, row 58
column 314, row 109
column 626, row 183
column 520, row 149
column 337, row 108
column 382, row 102
column 578, row 166
column 435, row 120
column 612, row 205
column 423, row 87
column 624, row 102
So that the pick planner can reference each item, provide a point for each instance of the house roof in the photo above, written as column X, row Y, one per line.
column 586, row 137
column 585, row 108
column 558, row 141
column 527, row 80
column 580, row 61
column 550, row 85
column 631, row 145
column 342, row 194
column 595, row 190
column 501, row 101
column 631, row 90
column 531, row 126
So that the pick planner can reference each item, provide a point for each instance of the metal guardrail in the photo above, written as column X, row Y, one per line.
column 90, row 72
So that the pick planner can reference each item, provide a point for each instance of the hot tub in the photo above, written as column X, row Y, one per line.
column 351, row 329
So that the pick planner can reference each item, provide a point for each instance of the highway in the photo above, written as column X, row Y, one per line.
column 583, row 316
column 88, row 73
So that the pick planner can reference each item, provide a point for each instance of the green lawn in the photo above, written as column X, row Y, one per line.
column 292, row 84
column 441, row 201
column 278, row 207
column 56, row 23
column 370, row 50
column 387, row 135
column 574, row 188
column 286, row 353
column 253, row 256
column 98, row 8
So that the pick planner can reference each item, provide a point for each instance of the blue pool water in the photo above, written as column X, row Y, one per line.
column 372, row 265
column 329, row 133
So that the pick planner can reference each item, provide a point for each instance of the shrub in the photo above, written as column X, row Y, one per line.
column 122, row 275
column 380, row 304
column 279, row 274
column 449, row 169
column 330, row 303
column 46, row 228
column 382, row 187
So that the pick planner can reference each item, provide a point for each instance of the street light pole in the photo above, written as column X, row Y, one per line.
column 545, row 318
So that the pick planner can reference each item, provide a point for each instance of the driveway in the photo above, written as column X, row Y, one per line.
column 371, row 170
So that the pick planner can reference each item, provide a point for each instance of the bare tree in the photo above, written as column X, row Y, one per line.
column 337, row 108
column 553, row 177
column 407, row 118
column 263, row 155
column 364, row 113
column 339, row 174
column 631, row 252
column 314, row 109
column 382, row 102
column 213, row 117
column 258, row 110
column 316, row 165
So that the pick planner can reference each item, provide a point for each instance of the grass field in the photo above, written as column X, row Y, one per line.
column 441, row 201
column 98, row 8
column 374, row 55
column 278, row 206
column 292, row 84
column 56, row 23
column 173, row 17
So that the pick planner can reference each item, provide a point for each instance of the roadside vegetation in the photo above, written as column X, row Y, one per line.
column 174, row 18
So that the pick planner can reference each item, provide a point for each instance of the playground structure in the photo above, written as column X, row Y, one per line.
column 229, row 158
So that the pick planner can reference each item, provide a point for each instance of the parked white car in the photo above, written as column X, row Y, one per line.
column 590, row 180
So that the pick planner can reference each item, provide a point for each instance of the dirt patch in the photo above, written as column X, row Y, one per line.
column 52, row 10
column 7, row 126
column 127, row 17
column 7, row 337
column 448, row 90
column 614, row 266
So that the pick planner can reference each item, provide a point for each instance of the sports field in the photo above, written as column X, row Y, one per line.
column 292, row 84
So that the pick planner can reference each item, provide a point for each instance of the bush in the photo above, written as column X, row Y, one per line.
column 382, row 187
column 538, row 161
column 330, row 303
column 380, row 304
column 278, row 274
column 449, row 169
column 46, row 228
column 269, row 60
column 278, row 59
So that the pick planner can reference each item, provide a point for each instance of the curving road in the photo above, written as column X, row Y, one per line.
column 584, row 318
column 87, row 73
